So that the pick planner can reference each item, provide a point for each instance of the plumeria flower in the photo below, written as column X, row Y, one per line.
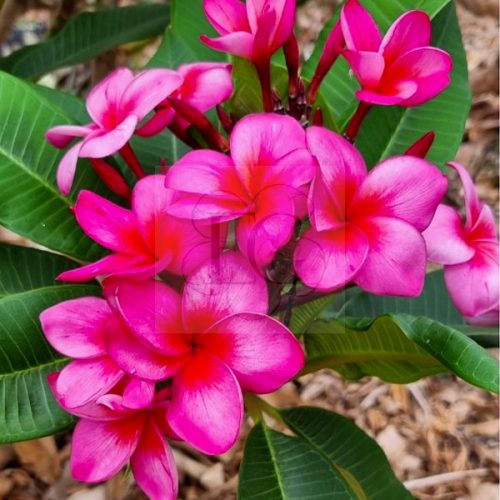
column 116, row 106
column 144, row 240
column 220, row 342
column 469, row 252
column 366, row 227
column 205, row 85
column 254, row 31
column 400, row 68
column 260, row 184
column 88, row 330
column 111, row 433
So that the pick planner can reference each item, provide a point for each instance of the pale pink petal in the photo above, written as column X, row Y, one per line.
column 101, row 449
column 224, row 286
column 157, row 123
column 72, row 331
column 395, row 264
column 238, row 43
column 86, row 379
column 367, row 66
column 328, row 260
column 138, row 394
column 148, row 89
column 108, row 142
column 472, row 203
column 445, row 238
column 485, row 227
column 103, row 99
column 323, row 211
column 262, row 353
column 153, row 465
column 408, row 32
column 67, row 169
column 397, row 93
column 206, row 409
column 226, row 16
column 473, row 285
column 406, row 187
column 359, row 28
column 61, row 136
column 489, row 318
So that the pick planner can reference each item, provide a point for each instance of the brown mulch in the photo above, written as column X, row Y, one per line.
column 440, row 434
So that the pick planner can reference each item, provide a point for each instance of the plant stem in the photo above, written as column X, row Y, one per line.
column 127, row 153
column 356, row 121
column 264, row 72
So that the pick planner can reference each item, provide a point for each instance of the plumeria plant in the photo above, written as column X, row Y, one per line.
column 230, row 218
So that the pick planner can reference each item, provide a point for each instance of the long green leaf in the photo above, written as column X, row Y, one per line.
column 27, row 408
column 342, row 442
column 279, row 467
column 391, row 130
column 85, row 37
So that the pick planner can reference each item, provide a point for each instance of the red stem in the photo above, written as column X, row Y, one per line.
column 292, row 55
column 264, row 72
column 111, row 178
column 356, row 121
column 127, row 153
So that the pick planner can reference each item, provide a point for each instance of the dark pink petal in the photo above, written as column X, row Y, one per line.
column 473, row 204
column 61, row 136
column 67, row 169
column 395, row 264
column 323, row 212
column 341, row 166
column 402, row 186
column 206, row 409
column 148, row 89
column 72, row 331
column 226, row 16
column 408, row 32
column 159, row 121
column 397, row 93
column 263, row 43
column 328, row 260
column 226, row 285
column 108, row 224
column 428, row 88
column 108, row 142
column 270, row 226
column 138, row 394
column 86, row 379
column 292, row 170
column 262, row 353
column 359, row 28
column 285, row 11
column 153, row 465
column 367, row 66
column 473, row 285
column 238, row 43
column 445, row 238
column 99, row 450
column 153, row 312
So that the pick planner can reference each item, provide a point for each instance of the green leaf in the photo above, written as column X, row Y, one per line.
column 305, row 314
column 30, row 204
column 343, row 443
column 85, row 37
column 27, row 408
column 390, row 130
column 279, row 467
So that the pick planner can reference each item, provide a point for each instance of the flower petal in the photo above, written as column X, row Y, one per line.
column 396, row 93
column 100, row 449
column 153, row 465
column 472, row 201
column 72, row 331
column 328, row 260
column 367, row 66
column 359, row 28
column 445, row 238
column 67, row 169
column 61, row 136
column 261, row 351
column 226, row 16
column 238, row 43
column 406, row 187
column 138, row 394
column 395, row 264
column 207, row 405
column 159, row 121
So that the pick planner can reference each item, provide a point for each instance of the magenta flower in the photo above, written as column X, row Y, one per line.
column 254, row 31
column 116, row 106
column 205, row 85
column 400, row 68
column 111, row 433
column 144, row 240
column 260, row 183
column 220, row 342
column 366, row 226
column 469, row 252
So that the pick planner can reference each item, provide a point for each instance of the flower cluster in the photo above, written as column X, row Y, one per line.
column 205, row 253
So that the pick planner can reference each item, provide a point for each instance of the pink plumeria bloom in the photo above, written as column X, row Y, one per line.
column 220, row 341
column 112, row 433
column 400, row 68
column 116, row 105
column 366, row 227
column 144, row 240
column 91, row 331
column 205, row 85
column 254, row 30
column 260, row 183
column 469, row 252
